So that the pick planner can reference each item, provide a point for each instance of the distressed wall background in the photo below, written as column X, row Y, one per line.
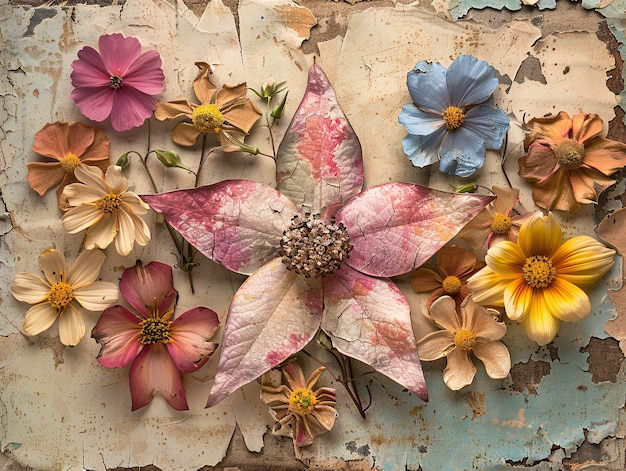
column 562, row 406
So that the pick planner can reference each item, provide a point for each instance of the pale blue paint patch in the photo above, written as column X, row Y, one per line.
column 459, row 8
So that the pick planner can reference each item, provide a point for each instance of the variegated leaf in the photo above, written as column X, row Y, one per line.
column 396, row 227
column 369, row 319
column 237, row 223
column 319, row 164
column 273, row 315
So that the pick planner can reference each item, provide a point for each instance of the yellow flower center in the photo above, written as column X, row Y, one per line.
column 69, row 162
column 501, row 224
column 464, row 340
column 538, row 271
column 569, row 154
column 451, row 284
column 115, row 82
column 302, row 401
column 60, row 295
column 453, row 117
column 109, row 203
column 208, row 118
column 155, row 330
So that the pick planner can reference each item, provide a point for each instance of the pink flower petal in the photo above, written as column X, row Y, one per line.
column 319, row 165
column 145, row 74
column 238, row 223
column 149, row 289
column 130, row 108
column 117, row 331
column 89, row 70
column 118, row 53
column 153, row 371
column 396, row 227
column 95, row 103
column 190, row 348
column 369, row 319
column 273, row 315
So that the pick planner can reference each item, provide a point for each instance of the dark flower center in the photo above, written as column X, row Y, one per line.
column 109, row 203
column 501, row 224
column 115, row 82
column 313, row 247
column 453, row 117
column 155, row 330
column 538, row 271
column 569, row 154
column 302, row 401
column 451, row 284
column 60, row 295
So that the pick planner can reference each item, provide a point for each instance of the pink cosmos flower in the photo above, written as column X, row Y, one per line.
column 160, row 349
column 118, row 81
column 319, row 250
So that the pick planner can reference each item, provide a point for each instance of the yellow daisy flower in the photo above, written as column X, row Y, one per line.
column 61, row 293
column 106, row 208
column 540, row 279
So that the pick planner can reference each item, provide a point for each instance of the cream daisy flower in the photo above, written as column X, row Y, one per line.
column 61, row 294
column 106, row 208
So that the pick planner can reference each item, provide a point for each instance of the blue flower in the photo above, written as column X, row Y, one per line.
column 453, row 118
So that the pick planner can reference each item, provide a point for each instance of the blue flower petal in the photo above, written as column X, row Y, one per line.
column 419, row 122
column 423, row 150
column 488, row 122
column 427, row 86
column 470, row 81
column 461, row 153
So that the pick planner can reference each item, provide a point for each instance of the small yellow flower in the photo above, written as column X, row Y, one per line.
column 465, row 328
column 106, row 208
column 300, row 412
column 540, row 279
column 61, row 294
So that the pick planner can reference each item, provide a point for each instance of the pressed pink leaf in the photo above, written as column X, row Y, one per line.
column 396, row 227
column 319, row 164
column 237, row 223
column 273, row 315
column 369, row 319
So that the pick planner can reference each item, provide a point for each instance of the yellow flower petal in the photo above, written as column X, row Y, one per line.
column 506, row 259
column 566, row 301
column 488, row 287
column 539, row 324
column 541, row 235
column 582, row 260
column 518, row 298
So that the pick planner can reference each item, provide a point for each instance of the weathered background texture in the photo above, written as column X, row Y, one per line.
column 562, row 406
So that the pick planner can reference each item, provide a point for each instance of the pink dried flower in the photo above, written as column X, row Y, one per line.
column 160, row 349
column 118, row 81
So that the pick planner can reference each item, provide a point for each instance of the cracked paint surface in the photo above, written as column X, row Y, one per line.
column 59, row 410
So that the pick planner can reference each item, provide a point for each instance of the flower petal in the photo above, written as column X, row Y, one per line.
column 425, row 280
column 566, row 301
column 459, row 371
column 52, row 263
column 145, row 74
column 489, row 123
column 427, row 86
column 130, row 108
column 541, row 235
column 185, row 134
column 518, row 299
column 418, row 122
column 461, row 153
column 173, row 109
column 96, row 103
column 190, row 347
column 86, row 268
column 287, row 313
column 396, row 227
column 101, row 233
column 369, row 319
column 470, row 81
column 540, row 325
column 30, row 288
column 488, row 287
column 582, row 260
column 153, row 371
column 506, row 259
column 149, row 289
column 39, row 318
column 443, row 313
column 435, row 345
column 117, row 332
column 202, row 85
column 96, row 296
column 118, row 52
column 44, row 175
column 238, row 223
column 456, row 261
column 71, row 326
column 89, row 71
column 424, row 150
column 496, row 358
